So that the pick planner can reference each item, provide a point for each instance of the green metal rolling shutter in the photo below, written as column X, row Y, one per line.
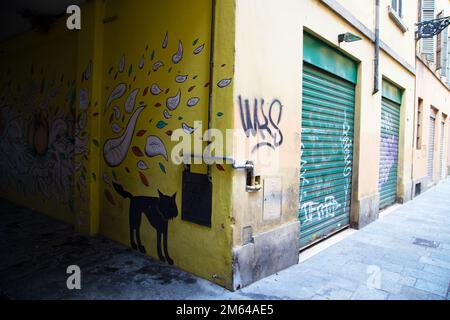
column 326, row 155
column 390, row 127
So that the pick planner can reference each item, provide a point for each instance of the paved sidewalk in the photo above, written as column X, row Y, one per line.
column 405, row 255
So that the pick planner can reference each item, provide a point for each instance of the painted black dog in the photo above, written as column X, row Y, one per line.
column 158, row 212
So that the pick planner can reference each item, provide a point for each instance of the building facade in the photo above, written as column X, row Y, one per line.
column 329, row 102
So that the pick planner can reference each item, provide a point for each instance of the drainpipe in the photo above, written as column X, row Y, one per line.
column 376, row 84
column 211, row 71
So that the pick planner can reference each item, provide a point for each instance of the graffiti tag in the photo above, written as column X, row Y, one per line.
column 263, row 119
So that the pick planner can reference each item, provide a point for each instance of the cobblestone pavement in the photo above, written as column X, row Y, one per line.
column 404, row 255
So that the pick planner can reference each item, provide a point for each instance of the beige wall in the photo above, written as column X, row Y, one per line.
column 391, row 34
column 433, row 94
column 269, row 40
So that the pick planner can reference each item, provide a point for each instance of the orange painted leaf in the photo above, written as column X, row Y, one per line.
column 141, row 133
column 143, row 179
column 220, row 167
column 109, row 197
column 137, row 152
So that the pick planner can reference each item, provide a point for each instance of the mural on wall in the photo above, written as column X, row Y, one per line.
column 37, row 134
column 82, row 137
column 140, row 120
column 158, row 210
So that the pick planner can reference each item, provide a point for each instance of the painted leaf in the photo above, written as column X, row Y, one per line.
column 109, row 197
column 176, row 58
column 220, row 167
column 219, row 114
column 161, row 166
column 166, row 114
column 181, row 78
column 122, row 64
column 199, row 49
column 192, row 102
column 157, row 65
column 165, row 41
column 187, row 129
column 143, row 179
column 117, row 93
column 131, row 101
column 224, row 83
column 155, row 147
column 173, row 102
column 141, row 133
column 155, row 89
column 137, row 151
column 142, row 165
column 141, row 63
column 130, row 70
column 161, row 124
column 116, row 128
column 115, row 149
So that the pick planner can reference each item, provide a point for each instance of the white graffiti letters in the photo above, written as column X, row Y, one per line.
column 323, row 210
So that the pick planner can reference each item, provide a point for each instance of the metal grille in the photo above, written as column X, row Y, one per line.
column 326, row 155
column 390, row 126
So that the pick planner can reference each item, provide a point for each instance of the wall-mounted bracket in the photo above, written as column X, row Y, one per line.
column 430, row 28
column 252, row 181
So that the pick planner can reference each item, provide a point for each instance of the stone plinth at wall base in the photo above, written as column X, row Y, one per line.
column 269, row 253
column 407, row 193
column 365, row 212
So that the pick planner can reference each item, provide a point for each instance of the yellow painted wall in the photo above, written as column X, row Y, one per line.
column 37, row 120
column 269, row 41
column 141, row 39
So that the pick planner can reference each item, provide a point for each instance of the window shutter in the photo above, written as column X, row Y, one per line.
column 428, row 45
column 448, row 58
column 444, row 53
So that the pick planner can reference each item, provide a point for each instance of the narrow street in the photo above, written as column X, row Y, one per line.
column 403, row 255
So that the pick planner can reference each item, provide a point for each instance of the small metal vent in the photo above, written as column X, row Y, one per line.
column 426, row 243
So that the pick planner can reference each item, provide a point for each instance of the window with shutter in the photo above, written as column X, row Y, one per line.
column 428, row 44
column 445, row 53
